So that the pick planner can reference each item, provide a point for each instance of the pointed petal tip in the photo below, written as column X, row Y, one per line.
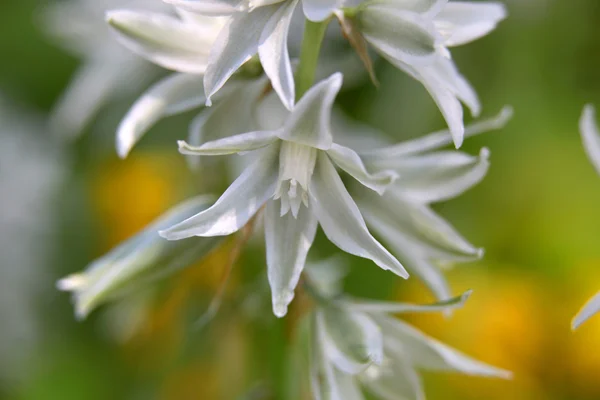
column 484, row 153
column 281, row 301
column 71, row 283
column 466, row 295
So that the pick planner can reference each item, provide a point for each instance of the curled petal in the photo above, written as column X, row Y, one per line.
column 244, row 197
column 319, row 10
column 230, row 145
column 210, row 7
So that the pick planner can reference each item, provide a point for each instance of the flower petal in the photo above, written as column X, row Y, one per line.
column 230, row 145
column 288, row 240
column 462, row 22
column 399, row 380
column 341, row 220
column 244, row 197
column 426, row 7
column 395, row 217
column 349, row 161
column 439, row 139
column 162, row 39
column 310, row 121
column 235, row 44
column 274, row 54
column 369, row 306
column 173, row 95
column 443, row 185
column 399, row 35
column 425, row 352
column 210, row 7
column 590, row 309
column 141, row 259
column 351, row 340
column 590, row 135
column 319, row 10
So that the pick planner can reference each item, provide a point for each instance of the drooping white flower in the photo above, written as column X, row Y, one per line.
column 357, row 343
column 590, row 135
column 414, row 36
column 138, row 261
column 294, row 176
column 420, row 238
column 108, row 70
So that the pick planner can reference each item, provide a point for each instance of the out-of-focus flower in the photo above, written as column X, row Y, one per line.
column 414, row 36
column 357, row 342
column 139, row 260
column 108, row 70
column 591, row 142
column 32, row 171
column 293, row 171
column 421, row 239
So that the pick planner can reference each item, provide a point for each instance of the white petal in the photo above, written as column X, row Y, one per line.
column 210, row 7
column 288, row 240
column 244, row 197
column 351, row 340
column 400, row 35
column 235, row 44
column 590, row 135
column 319, row 10
column 162, row 39
column 349, row 161
column 310, row 121
column 463, row 22
column 341, row 220
column 274, row 55
column 393, row 216
column 443, row 185
column 392, row 307
column 425, row 352
column 439, row 139
column 175, row 94
column 426, row 7
column 230, row 145
column 89, row 90
column 397, row 381
column 589, row 309
column 141, row 259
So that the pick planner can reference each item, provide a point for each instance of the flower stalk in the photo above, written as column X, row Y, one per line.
column 314, row 33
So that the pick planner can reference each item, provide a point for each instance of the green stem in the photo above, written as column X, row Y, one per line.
column 314, row 32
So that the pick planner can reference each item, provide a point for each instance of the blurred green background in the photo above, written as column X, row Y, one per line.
column 537, row 214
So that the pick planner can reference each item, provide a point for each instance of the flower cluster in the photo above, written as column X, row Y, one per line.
column 255, row 78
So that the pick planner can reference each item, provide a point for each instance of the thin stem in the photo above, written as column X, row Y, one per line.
column 314, row 32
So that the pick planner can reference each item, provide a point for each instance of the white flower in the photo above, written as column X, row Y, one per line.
column 414, row 36
column 108, row 70
column 293, row 173
column 420, row 238
column 356, row 343
column 138, row 261
column 251, row 27
column 590, row 135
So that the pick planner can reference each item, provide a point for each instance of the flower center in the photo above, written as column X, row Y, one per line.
column 296, row 166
